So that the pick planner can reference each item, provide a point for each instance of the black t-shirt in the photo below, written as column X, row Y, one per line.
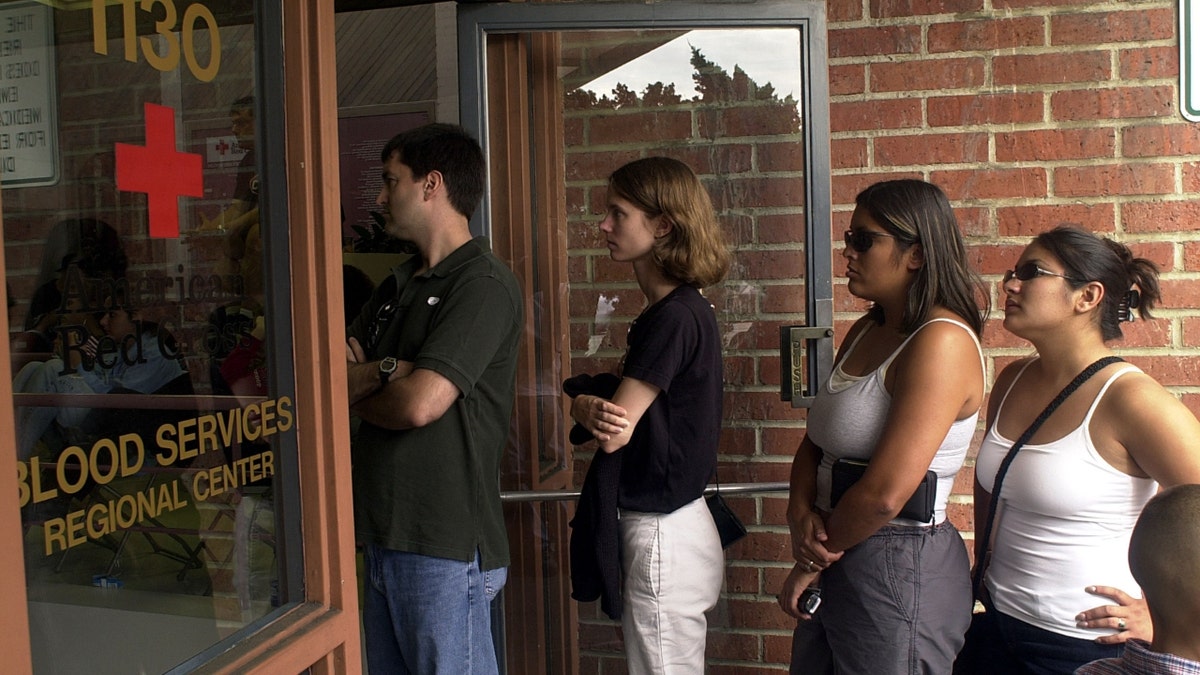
column 674, row 345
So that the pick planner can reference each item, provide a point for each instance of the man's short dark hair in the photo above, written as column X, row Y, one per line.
column 448, row 149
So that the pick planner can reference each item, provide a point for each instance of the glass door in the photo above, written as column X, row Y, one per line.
column 561, row 95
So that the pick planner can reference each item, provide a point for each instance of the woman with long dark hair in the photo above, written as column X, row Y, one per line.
column 886, row 436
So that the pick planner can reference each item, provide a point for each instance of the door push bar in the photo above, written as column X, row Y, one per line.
column 799, row 374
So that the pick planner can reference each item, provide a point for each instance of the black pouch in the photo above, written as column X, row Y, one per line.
column 729, row 526
column 919, row 507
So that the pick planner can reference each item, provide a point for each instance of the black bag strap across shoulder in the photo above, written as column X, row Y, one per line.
column 1083, row 376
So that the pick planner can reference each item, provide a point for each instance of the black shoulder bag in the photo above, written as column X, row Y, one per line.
column 981, row 565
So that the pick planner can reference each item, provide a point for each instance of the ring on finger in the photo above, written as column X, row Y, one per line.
column 1121, row 623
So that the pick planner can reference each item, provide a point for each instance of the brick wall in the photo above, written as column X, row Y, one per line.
column 1029, row 113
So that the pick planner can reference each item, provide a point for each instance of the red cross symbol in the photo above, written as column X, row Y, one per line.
column 160, row 171
column 222, row 146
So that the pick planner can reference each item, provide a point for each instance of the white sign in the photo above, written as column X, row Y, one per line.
column 28, row 97
column 1189, row 59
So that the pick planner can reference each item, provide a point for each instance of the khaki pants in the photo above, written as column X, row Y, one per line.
column 674, row 568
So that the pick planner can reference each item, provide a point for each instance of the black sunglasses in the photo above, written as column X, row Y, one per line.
column 382, row 318
column 862, row 240
column 1029, row 270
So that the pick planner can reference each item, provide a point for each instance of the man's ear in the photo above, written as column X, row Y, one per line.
column 433, row 181
column 1090, row 297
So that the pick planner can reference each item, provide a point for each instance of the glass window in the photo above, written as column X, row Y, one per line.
column 154, row 405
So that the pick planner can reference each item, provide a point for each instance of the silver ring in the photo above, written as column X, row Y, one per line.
column 808, row 565
column 1121, row 623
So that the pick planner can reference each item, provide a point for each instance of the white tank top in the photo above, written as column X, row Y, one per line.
column 847, row 418
column 1063, row 523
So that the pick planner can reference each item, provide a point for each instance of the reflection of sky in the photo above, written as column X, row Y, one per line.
column 765, row 54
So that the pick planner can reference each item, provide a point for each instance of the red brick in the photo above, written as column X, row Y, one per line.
column 1161, row 140
column 840, row 10
column 788, row 155
column 994, row 258
column 859, row 115
column 927, row 75
column 709, row 159
column 772, row 264
column 777, row 648
column 1192, row 401
column 1030, row 220
column 1045, row 145
column 758, row 119
column 1019, row 4
column 756, row 405
column 925, row 149
column 848, row 153
column 882, row 9
column 1146, row 334
column 998, row 108
column 846, row 187
column 973, row 221
column 1191, row 256
column 1191, row 334
column 847, row 79
column 1170, row 371
column 615, row 128
column 1094, row 66
column 1161, row 216
column 781, row 440
column 984, row 35
column 1191, row 177
column 1180, row 293
column 1114, row 179
column 1138, row 25
column 784, row 228
column 1117, row 103
column 732, row 646
column 1148, row 63
column 759, row 615
column 875, row 41
column 759, row 192
column 991, row 183
column 786, row 298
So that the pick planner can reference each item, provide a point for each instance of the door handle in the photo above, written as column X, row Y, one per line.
column 796, row 366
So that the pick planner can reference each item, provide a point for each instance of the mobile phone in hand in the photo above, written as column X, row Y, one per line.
column 810, row 600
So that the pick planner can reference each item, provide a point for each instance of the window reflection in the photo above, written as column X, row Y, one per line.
column 149, row 425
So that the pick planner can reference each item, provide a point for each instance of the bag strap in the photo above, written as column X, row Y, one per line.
column 1084, row 376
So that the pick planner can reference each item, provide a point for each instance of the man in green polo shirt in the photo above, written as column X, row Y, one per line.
column 432, row 363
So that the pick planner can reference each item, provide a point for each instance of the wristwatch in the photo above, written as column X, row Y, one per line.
column 386, row 367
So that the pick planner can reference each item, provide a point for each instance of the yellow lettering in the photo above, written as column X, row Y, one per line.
column 165, row 441
column 54, row 534
column 22, row 484
column 285, row 413
column 113, row 463
column 206, row 432
column 128, row 464
column 185, row 435
column 35, row 482
column 72, row 456
column 250, row 427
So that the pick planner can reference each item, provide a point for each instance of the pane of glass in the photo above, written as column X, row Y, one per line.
column 727, row 103
column 148, row 425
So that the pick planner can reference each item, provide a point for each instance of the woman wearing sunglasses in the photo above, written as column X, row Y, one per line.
column 903, row 399
column 1070, row 495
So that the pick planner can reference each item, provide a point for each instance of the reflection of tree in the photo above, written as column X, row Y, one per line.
column 714, row 83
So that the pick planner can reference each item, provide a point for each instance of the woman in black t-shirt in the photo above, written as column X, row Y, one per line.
column 666, row 412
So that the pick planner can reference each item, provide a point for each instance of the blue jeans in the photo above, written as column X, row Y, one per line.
column 424, row 615
column 998, row 644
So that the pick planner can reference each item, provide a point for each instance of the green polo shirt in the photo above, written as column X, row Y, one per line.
column 435, row 490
